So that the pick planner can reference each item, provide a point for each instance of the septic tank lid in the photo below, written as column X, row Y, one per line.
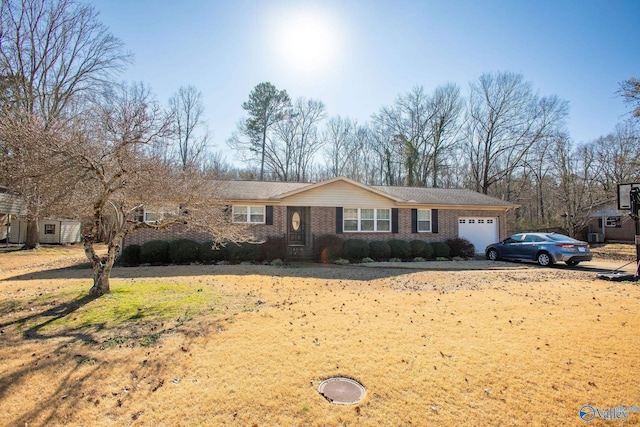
column 341, row 390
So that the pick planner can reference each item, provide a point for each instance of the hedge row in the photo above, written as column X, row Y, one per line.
column 331, row 247
column 328, row 247
column 157, row 252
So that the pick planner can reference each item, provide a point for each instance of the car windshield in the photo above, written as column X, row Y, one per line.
column 561, row 238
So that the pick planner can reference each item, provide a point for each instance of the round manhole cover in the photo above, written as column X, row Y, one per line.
column 341, row 391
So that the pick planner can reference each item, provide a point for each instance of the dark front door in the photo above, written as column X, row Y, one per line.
column 297, row 225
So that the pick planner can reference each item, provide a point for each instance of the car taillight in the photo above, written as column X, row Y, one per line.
column 565, row 245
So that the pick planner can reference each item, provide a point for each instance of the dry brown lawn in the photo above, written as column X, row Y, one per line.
column 514, row 345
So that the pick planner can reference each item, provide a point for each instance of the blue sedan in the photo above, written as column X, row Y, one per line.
column 543, row 248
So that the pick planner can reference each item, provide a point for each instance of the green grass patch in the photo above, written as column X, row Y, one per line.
column 130, row 302
column 149, row 340
column 113, row 342
column 148, row 300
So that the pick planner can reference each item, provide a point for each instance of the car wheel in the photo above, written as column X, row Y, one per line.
column 572, row 262
column 544, row 259
column 492, row 254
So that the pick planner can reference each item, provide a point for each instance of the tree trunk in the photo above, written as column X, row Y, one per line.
column 33, row 234
column 101, row 266
column 100, row 281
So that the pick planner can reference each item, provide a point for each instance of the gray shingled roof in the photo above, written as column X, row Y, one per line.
column 255, row 190
column 258, row 190
column 443, row 196
column 11, row 202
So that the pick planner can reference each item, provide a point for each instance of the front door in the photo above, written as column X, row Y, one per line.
column 297, row 219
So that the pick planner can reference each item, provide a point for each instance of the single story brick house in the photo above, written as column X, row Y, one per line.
column 300, row 212
column 608, row 224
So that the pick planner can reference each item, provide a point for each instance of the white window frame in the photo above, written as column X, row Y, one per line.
column 613, row 222
column 430, row 221
column 251, row 211
column 50, row 229
column 150, row 216
column 347, row 215
column 147, row 216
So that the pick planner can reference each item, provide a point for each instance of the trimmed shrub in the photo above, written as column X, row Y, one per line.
column 130, row 256
column 243, row 252
column 441, row 250
column 208, row 255
column 428, row 251
column 355, row 249
column 379, row 251
column 461, row 247
column 183, row 251
column 417, row 248
column 273, row 248
column 421, row 249
column 328, row 247
column 155, row 252
column 400, row 249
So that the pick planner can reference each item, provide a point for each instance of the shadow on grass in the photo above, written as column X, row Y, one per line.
column 44, row 318
column 59, row 398
column 54, row 357
column 362, row 272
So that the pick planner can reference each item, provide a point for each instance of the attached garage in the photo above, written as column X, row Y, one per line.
column 481, row 231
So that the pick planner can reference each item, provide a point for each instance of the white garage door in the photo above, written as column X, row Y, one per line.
column 479, row 231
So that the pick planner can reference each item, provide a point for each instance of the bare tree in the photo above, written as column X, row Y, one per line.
column 504, row 120
column 407, row 122
column 576, row 173
column 446, row 105
column 618, row 157
column 28, row 164
column 110, row 148
column 423, row 133
column 187, row 111
column 294, row 142
column 630, row 91
column 53, row 53
column 342, row 146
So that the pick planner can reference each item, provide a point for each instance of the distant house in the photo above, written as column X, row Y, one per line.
column 11, row 205
column 608, row 224
column 301, row 212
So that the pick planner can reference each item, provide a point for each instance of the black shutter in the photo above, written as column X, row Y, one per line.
column 338, row 220
column 394, row 220
column 434, row 220
column 414, row 220
column 600, row 222
column 268, row 215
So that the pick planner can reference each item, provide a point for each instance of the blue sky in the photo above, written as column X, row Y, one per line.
column 367, row 52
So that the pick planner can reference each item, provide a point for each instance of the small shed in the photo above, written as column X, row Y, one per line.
column 51, row 231
column 11, row 205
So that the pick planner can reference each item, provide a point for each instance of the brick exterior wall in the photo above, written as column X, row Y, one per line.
column 626, row 232
column 321, row 221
